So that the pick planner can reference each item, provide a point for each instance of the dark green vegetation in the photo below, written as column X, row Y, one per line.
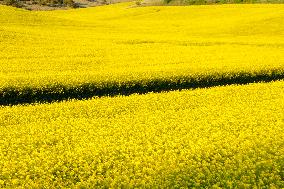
column 57, row 92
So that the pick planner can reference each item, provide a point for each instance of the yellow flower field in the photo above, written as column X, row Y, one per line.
column 207, row 136
column 229, row 137
column 121, row 45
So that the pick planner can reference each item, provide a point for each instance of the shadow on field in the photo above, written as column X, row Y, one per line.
column 14, row 96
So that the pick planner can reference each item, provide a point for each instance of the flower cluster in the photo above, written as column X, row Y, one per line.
column 117, row 48
column 229, row 137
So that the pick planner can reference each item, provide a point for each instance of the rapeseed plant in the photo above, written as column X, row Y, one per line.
column 228, row 137
column 100, row 50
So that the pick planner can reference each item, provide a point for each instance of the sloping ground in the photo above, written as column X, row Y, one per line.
column 107, row 50
column 228, row 137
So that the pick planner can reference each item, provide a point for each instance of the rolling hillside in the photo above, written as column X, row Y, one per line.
column 121, row 96
column 119, row 49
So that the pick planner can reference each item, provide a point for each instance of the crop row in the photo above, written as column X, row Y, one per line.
column 229, row 137
column 116, row 49
column 59, row 92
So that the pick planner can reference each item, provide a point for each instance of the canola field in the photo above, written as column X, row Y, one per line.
column 210, row 137
column 123, row 49
column 228, row 137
